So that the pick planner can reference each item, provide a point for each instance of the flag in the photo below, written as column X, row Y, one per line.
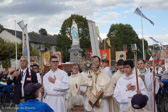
column 139, row 50
column 98, row 34
column 126, row 48
column 157, row 42
column 93, row 38
column 154, row 40
column 162, row 46
column 25, row 44
column 21, row 24
column 148, row 52
column 108, row 42
column 138, row 12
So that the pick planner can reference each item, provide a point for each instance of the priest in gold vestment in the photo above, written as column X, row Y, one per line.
column 96, row 86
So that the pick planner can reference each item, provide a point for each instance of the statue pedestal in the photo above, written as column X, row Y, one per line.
column 75, row 49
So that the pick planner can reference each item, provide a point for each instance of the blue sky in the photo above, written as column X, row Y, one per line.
column 50, row 14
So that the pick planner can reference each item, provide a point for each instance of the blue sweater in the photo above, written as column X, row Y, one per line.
column 34, row 105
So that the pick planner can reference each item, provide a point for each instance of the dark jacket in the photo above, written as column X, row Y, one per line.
column 18, row 85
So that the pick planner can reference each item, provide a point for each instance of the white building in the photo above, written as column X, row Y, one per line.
column 35, row 39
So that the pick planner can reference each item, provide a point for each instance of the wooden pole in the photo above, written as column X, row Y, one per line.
column 42, row 71
column 42, row 93
column 135, row 61
column 153, row 81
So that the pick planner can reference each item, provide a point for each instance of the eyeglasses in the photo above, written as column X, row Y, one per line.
column 54, row 61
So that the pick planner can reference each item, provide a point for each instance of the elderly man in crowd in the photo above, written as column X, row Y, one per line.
column 21, row 78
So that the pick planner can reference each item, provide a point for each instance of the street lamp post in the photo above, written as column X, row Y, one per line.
column 9, row 56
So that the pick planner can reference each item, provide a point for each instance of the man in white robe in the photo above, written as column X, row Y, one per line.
column 99, row 81
column 105, row 63
column 115, row 78
column 147, row 77
column 56, row 83
column 75, row 80
column 126, row 86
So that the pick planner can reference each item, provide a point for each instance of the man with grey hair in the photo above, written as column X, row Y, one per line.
column 21, row 78
column 76, row 104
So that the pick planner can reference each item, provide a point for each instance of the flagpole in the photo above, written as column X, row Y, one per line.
column 104, row 43
column 142, row 35
column 15, row 46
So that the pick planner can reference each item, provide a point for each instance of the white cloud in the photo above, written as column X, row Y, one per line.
column 50, row 14
column 105, row 22
column 103, row 35
column 130, row 10
column 110, row 15
column 5, row 2
column 152, row 4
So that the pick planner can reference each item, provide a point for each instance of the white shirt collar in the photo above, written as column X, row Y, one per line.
column 129, row 77
column 24, row 71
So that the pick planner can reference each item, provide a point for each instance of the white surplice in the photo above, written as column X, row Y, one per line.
column 74, row 89
column 123, row 95
column 103, row 82
column 54, row 93
column 108, row 70
column 149, row 86
column 114, row 79
column 38, row 77
column 39, row 81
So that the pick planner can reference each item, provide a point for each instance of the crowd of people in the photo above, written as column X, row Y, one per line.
column 92, row 90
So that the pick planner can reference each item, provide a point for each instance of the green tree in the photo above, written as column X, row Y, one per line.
column 43, row 31
column 47, row 46
column 65, row 34
column 7, row 47
column 121, row 35
column 1, row 27
column 33, row 32
column 63, row 43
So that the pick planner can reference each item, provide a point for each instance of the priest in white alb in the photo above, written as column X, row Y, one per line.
column 117, row 75
column 75, row 80
column 126, row 86
column 55, row 84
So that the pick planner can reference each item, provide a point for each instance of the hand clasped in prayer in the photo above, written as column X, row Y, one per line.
column 130, row 87
column 52, row 80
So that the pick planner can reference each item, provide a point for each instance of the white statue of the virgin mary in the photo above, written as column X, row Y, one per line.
column 74, row 33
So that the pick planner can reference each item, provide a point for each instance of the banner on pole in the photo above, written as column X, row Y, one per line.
column 59, row 56
column 104, row 54
column 46, row 58
column 120, row 55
